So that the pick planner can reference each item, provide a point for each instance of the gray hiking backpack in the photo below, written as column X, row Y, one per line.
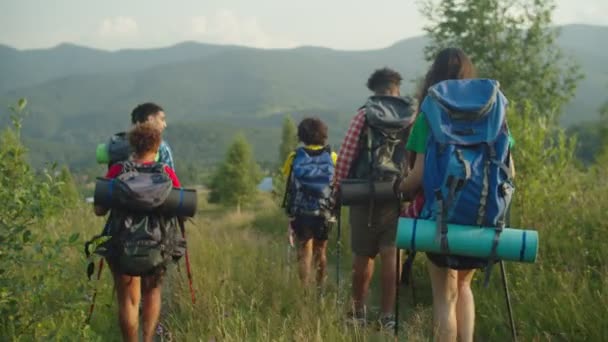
column 141, row 239
column 382, row 154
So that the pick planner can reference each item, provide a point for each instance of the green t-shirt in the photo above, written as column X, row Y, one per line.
column 420, row 134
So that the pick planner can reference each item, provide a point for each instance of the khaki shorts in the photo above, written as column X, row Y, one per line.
column 367, row 241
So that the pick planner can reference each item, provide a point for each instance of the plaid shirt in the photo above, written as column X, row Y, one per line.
column 350, row 147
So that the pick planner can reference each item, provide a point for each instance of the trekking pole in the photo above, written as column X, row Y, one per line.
column 397, row 285
column 88, row 320
column 508, row 298
column 338, row 250
column 188, row 269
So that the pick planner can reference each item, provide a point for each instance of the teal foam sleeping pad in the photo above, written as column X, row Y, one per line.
column 513, row 244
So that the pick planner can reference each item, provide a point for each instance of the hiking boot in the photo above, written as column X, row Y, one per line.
column 387, row 322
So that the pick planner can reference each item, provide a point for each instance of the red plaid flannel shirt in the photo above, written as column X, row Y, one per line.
column 350, row 147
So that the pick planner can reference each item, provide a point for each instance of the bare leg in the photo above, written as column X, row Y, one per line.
column 388, row 257
column 305, row 260
column 465, row 306
column 151, row 306
column 128, row 295
column 444, row 282
column 363, row 268
column 320, row 253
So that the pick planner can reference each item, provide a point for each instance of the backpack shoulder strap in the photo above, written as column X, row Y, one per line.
column 288, row 184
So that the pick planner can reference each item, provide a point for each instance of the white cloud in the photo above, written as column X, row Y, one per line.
column 118, row 27
column 226, row 27
column 574, row 11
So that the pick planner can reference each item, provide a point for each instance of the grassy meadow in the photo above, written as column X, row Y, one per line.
column 247, row 289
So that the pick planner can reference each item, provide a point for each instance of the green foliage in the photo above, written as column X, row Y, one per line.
column 289, row 142
column 604, row 128
column 289, row 139
column 27, row 296
column 511, row 41
column 235, row 181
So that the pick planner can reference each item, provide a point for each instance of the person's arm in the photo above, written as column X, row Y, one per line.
column 166, row 155
column 349, row 148
column 287, row 165
column 416, row 144
column 173, row 176
column 413, row 182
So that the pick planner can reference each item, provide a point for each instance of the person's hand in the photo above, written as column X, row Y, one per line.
column 397, row 185
column 290, row 234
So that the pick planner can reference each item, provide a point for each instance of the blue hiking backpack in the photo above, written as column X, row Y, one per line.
column 309, row 183
column 467, row 179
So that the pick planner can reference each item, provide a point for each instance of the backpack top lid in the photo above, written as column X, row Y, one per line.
column 465, row 112
column 390, row 112
column 142, row 186
column 314, row 169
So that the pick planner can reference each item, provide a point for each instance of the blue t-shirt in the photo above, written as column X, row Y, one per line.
column 165, row 155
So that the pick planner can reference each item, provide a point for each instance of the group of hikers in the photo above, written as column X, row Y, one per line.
column 413, row 145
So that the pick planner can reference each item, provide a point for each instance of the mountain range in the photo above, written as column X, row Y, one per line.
column 78, row 95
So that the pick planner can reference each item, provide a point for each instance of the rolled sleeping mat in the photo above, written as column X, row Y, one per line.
column 102, row 155
column 180, row 202
column 513, row 244
column 358, row 191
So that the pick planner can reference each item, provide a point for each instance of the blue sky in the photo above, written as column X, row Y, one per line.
column 339, row 24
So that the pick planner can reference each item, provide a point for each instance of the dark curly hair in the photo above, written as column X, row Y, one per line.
column 143, row 111
column 383, row 79
column 312, row 131
column 144, row 138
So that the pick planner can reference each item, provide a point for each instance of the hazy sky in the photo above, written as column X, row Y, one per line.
column 339, row 24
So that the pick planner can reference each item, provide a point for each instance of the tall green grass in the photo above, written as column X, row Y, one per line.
column 247, row 289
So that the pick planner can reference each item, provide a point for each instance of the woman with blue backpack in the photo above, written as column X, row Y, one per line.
column 462, row 174
column 310, row 172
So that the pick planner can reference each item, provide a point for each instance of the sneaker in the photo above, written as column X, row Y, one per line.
column 387, row 322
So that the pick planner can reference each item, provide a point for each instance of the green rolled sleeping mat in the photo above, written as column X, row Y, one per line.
column 359, row 192
column 513, row 244
column 180, row 202
column 102, row 155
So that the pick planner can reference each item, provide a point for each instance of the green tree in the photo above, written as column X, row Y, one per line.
column 235, row 181
column 69, row 191
column 289, row 142
column 603, row 128
column 511, row 41
column 28, row 198
column 289, row 138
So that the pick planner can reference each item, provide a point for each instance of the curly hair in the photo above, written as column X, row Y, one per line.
column 383, row 79
column 312, row 131
column 144, row 138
